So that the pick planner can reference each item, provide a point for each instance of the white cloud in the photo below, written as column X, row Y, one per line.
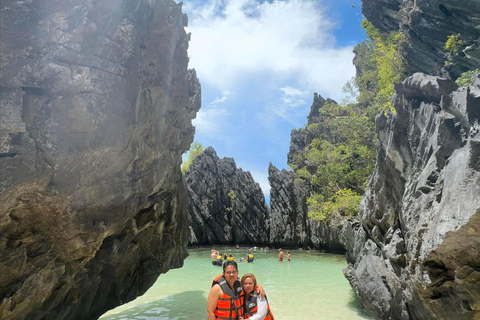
column 219, row 100
column 225, row 94
column 210, row 121
column 292, row 92
column 293, row 97
column 233, row 40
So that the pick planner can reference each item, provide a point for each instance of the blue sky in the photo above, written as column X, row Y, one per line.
column 259, row 63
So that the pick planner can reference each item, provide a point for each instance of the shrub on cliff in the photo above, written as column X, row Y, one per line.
column 195, row 149
column 338, row 160
column 379, row 65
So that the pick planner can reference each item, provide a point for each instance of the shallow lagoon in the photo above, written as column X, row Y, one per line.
column 311, row 286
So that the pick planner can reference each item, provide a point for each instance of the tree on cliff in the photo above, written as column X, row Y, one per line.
column 379, row 65
column 341, row 154
column 338, row 160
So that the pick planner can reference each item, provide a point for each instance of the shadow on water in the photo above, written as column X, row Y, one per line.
column 354, row 304
column 185, row 305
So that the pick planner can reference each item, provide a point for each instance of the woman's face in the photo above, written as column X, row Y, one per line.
column 230, row 274
column 248, row 285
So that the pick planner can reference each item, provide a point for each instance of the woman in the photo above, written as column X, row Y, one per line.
column 255, row 307
column 225, row 300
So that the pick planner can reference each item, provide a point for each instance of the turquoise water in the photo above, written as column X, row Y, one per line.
column 312, row 286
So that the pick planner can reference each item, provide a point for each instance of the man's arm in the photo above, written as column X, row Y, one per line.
column 212, row 301
column 259, row 290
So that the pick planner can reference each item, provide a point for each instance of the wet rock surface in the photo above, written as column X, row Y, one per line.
column 96, row 109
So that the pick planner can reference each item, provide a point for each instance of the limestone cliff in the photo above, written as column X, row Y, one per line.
column 96, row 104
column 426, row 25
column 415, row 252
column 290, row 224
column 226, row 206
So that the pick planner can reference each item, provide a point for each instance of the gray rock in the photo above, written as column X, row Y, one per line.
column 288, row 209
column 96, row 104
column 226, row 206
column 290, row 223
column 414, row 255
column 426, row 25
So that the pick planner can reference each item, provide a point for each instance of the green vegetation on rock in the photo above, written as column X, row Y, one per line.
column 466, row 78
column 233, row 198
column 341, row 155
column 452, row 45
column 195, row 149
column 338, row 160
column 379, row 65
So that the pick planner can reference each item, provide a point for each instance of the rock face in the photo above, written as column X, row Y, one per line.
column 226, row 206
column 96, row 104
column 415, row 252
column 290, row 225
column 426, row 25
column 301, row 138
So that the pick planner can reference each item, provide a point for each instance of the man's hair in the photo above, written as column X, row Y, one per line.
column 230, row 263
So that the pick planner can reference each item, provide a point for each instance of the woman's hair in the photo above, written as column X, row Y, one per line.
column 249, row 275
column 230, row 263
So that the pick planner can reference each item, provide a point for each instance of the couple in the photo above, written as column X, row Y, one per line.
column 231, row 299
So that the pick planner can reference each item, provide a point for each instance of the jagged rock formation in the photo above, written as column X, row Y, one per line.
column 96, row 104
column 301, row 138
column 290, row 225
column 226, row 206
column 415, row 252
column 427, row 24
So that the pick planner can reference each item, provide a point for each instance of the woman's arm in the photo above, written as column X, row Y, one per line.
column 261, row 311
column 212, row 301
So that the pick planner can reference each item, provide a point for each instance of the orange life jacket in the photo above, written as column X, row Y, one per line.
column 251, row 308
column 230, row 304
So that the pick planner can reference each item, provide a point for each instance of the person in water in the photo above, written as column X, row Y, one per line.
column 213, row 256
column 226, row 297
column 280, row 255
column 288, row 256
column 254, row 306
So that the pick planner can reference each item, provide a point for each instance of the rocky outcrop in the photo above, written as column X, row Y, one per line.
column 96, row 104
column 301, row 138
column 290, row 225
column 414, row 254
column 426, row 25
column 226, row 206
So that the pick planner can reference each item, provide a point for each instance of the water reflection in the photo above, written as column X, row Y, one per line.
column 184, row 305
